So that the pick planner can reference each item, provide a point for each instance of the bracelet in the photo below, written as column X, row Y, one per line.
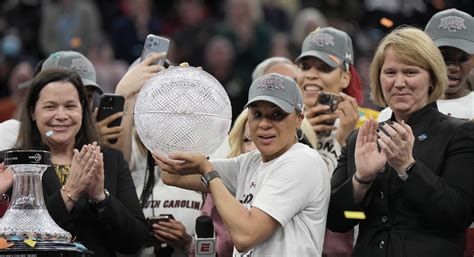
column 410, row 166
column 361, row 181
column 99, row 206
column 74, row 199
column 404, row 177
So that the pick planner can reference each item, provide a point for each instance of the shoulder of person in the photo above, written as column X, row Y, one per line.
column 302, row 154
column 450, row 121
column 110, row 152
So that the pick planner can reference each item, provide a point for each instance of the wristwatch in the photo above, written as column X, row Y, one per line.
column 208, row 177
column 99, row 206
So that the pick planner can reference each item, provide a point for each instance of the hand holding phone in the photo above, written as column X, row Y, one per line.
column 155, row 44
column 161, row 217
column 110, row 104
column 332, row 100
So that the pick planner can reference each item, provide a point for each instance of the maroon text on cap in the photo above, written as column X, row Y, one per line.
column 452, row 24
column 272, row 83
column 322, row 39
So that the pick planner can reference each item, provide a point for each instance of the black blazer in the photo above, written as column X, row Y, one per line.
column 426, row 215
column 121, row 227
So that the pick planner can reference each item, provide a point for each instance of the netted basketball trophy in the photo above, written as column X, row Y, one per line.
column 182, row 109
column 27, row 216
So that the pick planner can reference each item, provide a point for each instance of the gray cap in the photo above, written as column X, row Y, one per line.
column 277, row 89
column 74, row 61
column 331, row 45
column 453, row 28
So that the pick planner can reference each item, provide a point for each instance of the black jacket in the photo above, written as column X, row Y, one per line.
column 120, row 227
column 426, row 215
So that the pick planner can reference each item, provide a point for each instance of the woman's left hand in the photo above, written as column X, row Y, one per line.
column 96, row 186
column 397, row 145
column 348, row 113
column 173, row 233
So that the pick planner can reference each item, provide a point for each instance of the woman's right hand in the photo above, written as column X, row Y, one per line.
column 181, row 163
column 6, row 179
column 105, row 132
column 368, row 160
column 173, row 233
column 138, row 75
column 318, row 120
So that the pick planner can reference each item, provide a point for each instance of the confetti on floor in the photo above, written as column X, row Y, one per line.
column 4, row 244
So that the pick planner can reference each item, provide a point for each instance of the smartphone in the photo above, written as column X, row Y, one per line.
column 155, row 44
column 108, row 105
column 161, row 217
column 332, row 100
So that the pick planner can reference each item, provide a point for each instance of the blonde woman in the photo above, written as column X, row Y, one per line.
column 412, row 174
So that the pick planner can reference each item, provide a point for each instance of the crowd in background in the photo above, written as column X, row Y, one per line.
column 227, row 38
column 248, row 45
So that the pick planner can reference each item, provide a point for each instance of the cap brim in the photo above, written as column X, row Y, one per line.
column 282, row 104
column 465, row 45
column 325, row 57
column 90, row 83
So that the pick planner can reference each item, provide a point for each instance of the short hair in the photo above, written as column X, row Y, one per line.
column 29, row 137
column 414, row 47
column 262, row 67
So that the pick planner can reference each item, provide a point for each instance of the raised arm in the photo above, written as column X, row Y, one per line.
column 129, row 87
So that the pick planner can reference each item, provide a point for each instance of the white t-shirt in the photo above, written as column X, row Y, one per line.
column 184, row 205
column 294, row 189
column 9, row 131
column 462, row 107
column 330, row 149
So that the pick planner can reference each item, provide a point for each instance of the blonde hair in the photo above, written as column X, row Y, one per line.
column 414, row 47
column 236, row 134
column 309, row 133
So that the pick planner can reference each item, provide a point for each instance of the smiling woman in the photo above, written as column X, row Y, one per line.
column 412, row 174
column 273, row 201
column 58, row 119
column 89, row 190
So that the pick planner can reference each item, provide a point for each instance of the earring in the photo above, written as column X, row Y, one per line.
column 247, row 133
column 299, row 134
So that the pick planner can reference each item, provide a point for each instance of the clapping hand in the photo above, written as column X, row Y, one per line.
column 95, row 191
column 83, row 166
column 397, row 146
column 368, row 160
